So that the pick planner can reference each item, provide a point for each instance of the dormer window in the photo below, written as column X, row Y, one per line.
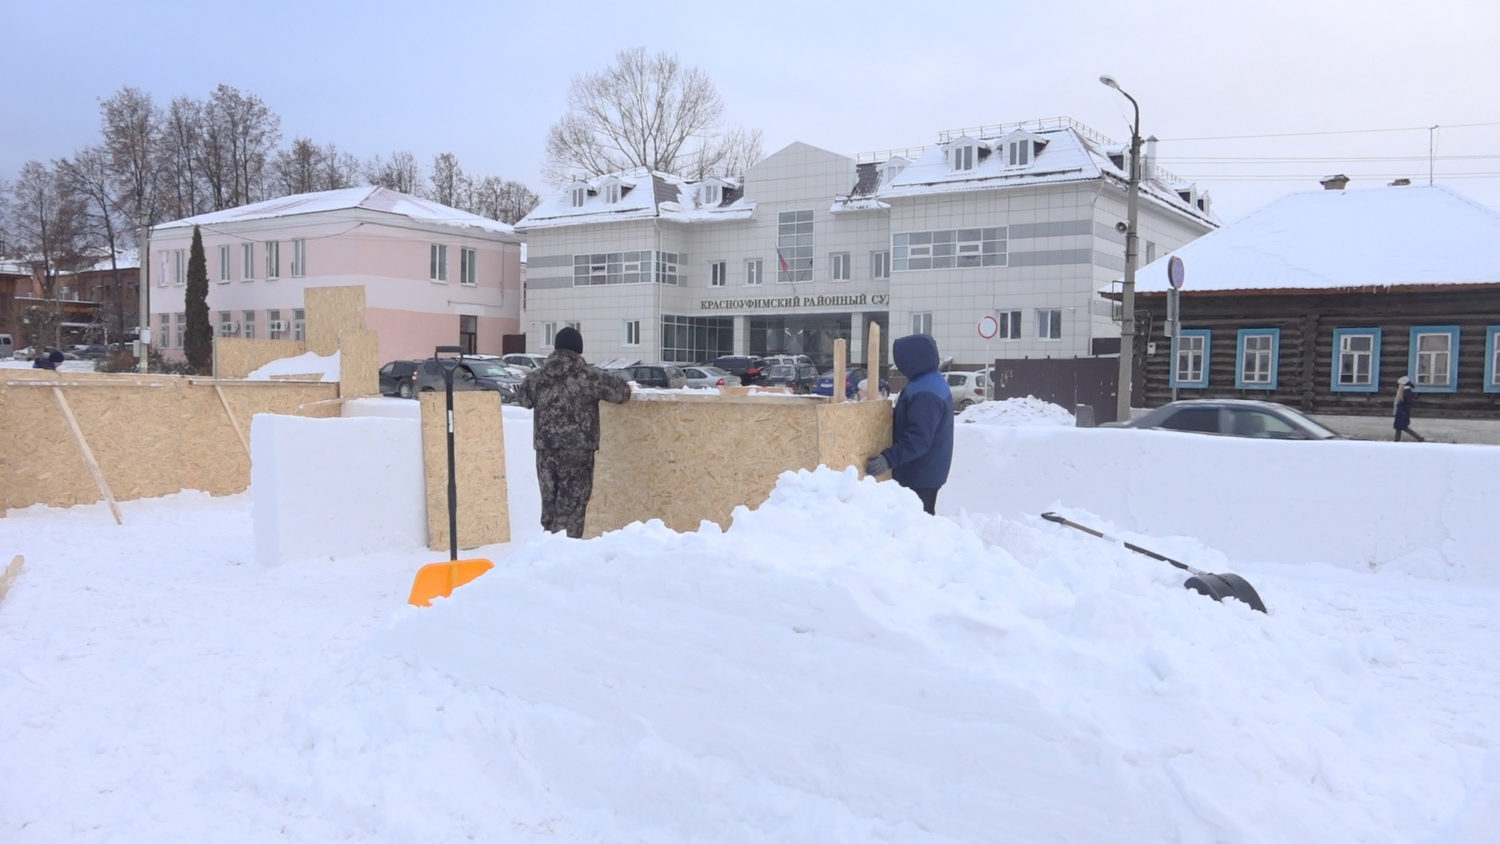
column 1021, row 149
column 580, row 193
column 963, row 157
column 612, row 193
column 710, row 195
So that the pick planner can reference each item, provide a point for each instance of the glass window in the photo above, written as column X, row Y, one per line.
column 753, row 271
column 299, row 324
column 274, row 326
column 949, row 249
column 247, row 324
column 1049, row 324
column 299, row 258
column 223, row 263
column 1356, row 364
column 1256, row 358
column 1492, row 359
column 247, row 262
column 718, row 273
column 273, row 259
column 579, row 195
column 467, row 272
column 794, row 246
column 1019, row 152
column 1434, row 361
column 632, row 332
column 179, row 267
column 880, row 264
column 921, row 323
column 549, row 333
column 840, row 266
column 438, row 263
column 1190, row 359
column 1010, row 325
column 963, row 157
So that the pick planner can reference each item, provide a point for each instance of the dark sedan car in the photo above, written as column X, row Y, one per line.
column 665, row 376
column 799, row 378
column 1232, row 418
column 749, row 368
column 852, row 377
column 468, row 374
column 395, row 378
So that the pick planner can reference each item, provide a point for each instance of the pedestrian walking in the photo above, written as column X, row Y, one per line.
column 1406, row 395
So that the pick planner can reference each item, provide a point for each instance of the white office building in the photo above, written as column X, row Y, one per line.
column 1021, row 222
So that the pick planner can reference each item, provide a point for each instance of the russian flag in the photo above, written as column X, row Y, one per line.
column 784, row 267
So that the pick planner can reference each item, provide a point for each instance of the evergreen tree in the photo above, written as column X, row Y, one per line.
column 198, row 341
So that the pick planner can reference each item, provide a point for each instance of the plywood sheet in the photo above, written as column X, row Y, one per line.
column 331, row 311
column 479, row 458
column 237, row 357
column 359, row 368
column 686, row 459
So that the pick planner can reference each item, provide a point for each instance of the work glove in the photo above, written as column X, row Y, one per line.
column 877, row 465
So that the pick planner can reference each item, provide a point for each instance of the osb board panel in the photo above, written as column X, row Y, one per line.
column 359, row 371
column 849, row 432
column 479, row 458
column 684, row 460
column 331, row 311
column 151, row 435
column 236, row 357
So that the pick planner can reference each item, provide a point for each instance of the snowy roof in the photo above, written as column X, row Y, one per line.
column 1328, row 239
column 367, row 198
column 655, row 194
column 1065, row 155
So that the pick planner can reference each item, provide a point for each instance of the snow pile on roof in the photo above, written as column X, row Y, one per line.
column 644, row 193
column 322, row 367
column 1328, row 239
column 367, row 198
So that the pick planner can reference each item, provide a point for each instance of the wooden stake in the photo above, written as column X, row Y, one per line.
column 872, row 353
column 232, row 421
column 88, row 455
column 840, row 357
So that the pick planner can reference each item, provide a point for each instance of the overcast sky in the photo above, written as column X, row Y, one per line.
column 1327, row 85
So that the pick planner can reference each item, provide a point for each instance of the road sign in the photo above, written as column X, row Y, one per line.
column 988, row 327
column 1175, row 272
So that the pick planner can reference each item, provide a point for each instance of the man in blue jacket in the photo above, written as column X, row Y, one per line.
column 922, row 428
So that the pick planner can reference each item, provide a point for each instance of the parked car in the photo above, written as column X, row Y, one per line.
column 968, row 388
column 1232, row 418
column 92, row 351
column 523, row 360
column 469, row 373
column 799, row 377
column 852, row 377
column 667, row 376
column 396, row 378
column 749, row 368
column 709, row 377
column 773, row 360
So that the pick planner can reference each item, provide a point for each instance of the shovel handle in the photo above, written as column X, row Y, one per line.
column 1054, row 517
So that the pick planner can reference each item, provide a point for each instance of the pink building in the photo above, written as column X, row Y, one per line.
column 433, row 275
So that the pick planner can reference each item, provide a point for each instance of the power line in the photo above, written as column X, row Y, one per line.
column 1331, row 132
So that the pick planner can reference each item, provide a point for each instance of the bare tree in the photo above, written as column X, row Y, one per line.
column 240, row 133
column 728, row 153
column 447, row 179
column 298, row 169
column 130, row 124
column 644, row 111
column 5, row 237
column 401, row 173
column 88, row 175
column 182, row 159
column 47, row 218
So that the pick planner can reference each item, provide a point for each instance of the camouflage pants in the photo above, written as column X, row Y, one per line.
column 566, row 479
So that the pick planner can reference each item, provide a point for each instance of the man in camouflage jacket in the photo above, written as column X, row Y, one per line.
column 564, row 393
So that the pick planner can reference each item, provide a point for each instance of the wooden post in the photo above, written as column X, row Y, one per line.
column 88, row 455
column 840, row 357
column 872, row 353
column 232, row 421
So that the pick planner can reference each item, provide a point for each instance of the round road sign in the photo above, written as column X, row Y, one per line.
column 988, row 327
column 1175, row 272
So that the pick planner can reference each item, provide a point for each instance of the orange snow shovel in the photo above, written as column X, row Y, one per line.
column 440, row 579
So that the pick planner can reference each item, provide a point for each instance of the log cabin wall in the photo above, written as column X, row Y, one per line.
column 1306, row 320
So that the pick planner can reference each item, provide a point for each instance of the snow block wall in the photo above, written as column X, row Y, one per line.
column 1215, row 490
column 335, row 487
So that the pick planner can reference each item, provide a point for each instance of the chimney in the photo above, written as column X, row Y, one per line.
column 1400, row 183
column 1148, row 159
column 1337, row 182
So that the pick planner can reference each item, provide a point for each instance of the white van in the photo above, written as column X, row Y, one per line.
column 7, row 346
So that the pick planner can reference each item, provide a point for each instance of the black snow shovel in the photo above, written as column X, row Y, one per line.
column 1216, row 586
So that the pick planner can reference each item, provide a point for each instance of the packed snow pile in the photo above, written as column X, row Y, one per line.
column 321, row 367
column 1018, row 411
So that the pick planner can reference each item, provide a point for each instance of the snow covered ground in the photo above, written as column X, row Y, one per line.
column 832, row 666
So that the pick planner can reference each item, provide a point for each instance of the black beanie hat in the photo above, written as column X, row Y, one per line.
column 569, row 339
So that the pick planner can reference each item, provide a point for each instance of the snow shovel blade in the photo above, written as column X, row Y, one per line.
column 438, row 580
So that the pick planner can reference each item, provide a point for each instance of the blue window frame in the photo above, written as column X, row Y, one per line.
column 1190, row 359
column 1491, row 365
column 1356, row 360
column 1256, row 356
column 1433, row 360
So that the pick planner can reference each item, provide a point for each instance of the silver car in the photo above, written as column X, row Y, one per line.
column 709, row 377
column 1232, row 418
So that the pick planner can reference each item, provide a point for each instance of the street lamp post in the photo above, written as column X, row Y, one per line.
column 1127, row 291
